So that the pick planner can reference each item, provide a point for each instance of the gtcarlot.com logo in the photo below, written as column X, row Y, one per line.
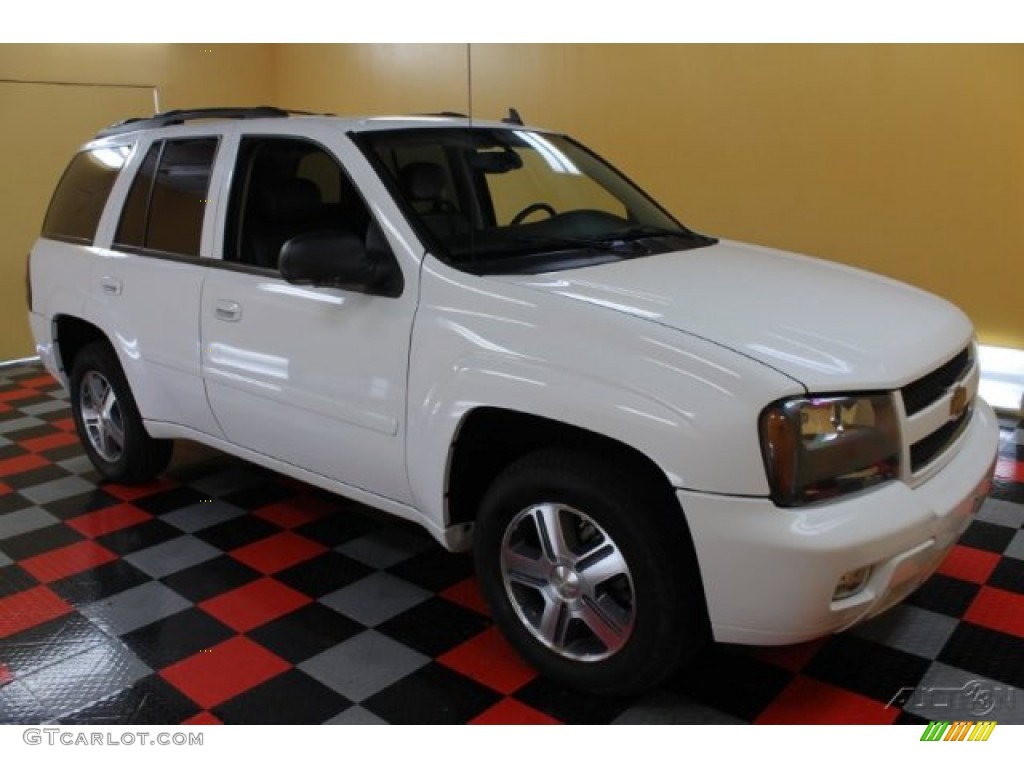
column 961, row 730
column 66, row 738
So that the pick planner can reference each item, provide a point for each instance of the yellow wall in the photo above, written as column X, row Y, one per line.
column 44, row 122
column 906, row 160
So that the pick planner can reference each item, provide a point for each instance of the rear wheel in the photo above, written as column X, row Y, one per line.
column 589, row 573
column 108, row 420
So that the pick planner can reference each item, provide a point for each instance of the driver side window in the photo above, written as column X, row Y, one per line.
column 284, row 187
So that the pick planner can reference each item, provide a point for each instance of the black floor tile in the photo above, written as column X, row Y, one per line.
column 987, row 536
column 151, row 701
column 985, row 652
column 236, row 532
column 1009, row 575
column 177, row 637
column 12, row 502
column 163, row 502
column 432, row 695
column 81, row 504
column 141, row 536
column 214, row 577
column 13, row 580
column 304, row 633
column 435, row 626
column 36, row 476
column 293, row 698
column 39, row 541
column 259, row 495
column 339, row 528
column 944, row 594
column 436, row 569
column 99, row 583
column 323, row 574
column 570, row 706
column 868, row 668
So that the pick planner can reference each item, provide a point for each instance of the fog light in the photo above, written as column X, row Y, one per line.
column 851, row 582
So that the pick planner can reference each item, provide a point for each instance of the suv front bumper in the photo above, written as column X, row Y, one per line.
column 770, row 573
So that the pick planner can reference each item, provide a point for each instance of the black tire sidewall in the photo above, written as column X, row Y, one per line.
column 657, row 643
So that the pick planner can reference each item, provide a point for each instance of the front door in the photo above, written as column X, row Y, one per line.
column 315, row 377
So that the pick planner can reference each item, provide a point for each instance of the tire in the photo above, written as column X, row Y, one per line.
column 615, row 604
column 108, row 420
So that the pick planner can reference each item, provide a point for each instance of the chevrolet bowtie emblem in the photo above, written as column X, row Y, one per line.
column 957, row 403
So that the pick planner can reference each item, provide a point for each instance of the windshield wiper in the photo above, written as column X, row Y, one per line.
column 639, row 233
column 570, row 242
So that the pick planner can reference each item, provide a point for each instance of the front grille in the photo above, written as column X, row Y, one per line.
column 926, row 449
column 919, row 394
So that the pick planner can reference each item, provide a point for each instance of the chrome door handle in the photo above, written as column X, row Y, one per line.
column 228, row 311
column 111, row 286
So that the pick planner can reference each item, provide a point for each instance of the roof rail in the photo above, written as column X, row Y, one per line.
column 180, row 116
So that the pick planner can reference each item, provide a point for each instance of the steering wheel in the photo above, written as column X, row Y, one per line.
column 531, row 208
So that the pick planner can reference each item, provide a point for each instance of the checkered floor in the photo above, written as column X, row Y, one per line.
column 226, row 593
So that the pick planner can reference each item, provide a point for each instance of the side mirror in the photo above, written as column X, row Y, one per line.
column 338, row 260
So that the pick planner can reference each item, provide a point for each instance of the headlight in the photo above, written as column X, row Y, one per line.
column 816, row 448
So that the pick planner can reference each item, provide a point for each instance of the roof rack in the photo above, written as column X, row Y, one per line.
column 180, row 116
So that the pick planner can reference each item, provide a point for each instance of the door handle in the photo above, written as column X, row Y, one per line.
column 228, row 311
column 111, row 286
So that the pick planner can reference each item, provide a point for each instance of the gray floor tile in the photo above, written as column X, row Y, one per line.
column 1002, row 513
column 356, row 715
column 911, row 629
column 74, row 683
column 363, row 665
column 195, row 517
column 388, row 546
column 15, row 425
column 4, row 560
column 948, row 693
column 47, row 407
column 77, row 465
column 1018, row 436
column 172, row 556
column 1016, row 547
column 4, row 442
column 23, row 521
column 665, row 708
column 19, row 706
column 376, row 598
column 135, row 607
column 57, row 489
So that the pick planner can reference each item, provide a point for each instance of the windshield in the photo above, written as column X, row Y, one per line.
column 517, row 201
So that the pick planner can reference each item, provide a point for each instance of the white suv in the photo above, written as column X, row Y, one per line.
column 650, row 437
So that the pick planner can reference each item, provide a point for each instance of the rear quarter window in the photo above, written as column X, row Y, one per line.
column 78, row 202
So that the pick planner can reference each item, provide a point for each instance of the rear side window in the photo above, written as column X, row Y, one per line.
column 74, row 213
column 166, row 204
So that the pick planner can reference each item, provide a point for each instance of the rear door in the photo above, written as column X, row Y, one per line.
column 146, row 283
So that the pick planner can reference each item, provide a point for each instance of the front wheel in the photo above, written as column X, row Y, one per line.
column 589, row 573
column 108, row 420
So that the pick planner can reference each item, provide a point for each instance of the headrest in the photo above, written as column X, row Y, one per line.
column 422, row 181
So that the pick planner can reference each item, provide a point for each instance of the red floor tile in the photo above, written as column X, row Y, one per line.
column 29, row 608
column 108, row 520
column 4, row 408
column 1010, row 469
column 5, row 489
column 23, row 463
column 133, row 492
column 203, row 718
column 969, row 564
column 489, row 659
column 39, row 381
column 68, row 424
column 17, row 394
column 213, row 676
column 998, row 609
column 40, row 444
column 5, row 675
column 512, row 712
column 467, row 594
column 275, row 553
column 254, row 604
column 810, row 702
column 295, row 512
column 65, row 561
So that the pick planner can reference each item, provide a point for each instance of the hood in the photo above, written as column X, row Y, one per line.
column 830, row 327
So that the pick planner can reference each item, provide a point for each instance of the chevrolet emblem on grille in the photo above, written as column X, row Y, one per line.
column 957, row 403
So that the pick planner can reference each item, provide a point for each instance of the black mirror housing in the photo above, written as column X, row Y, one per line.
column 338, row 260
